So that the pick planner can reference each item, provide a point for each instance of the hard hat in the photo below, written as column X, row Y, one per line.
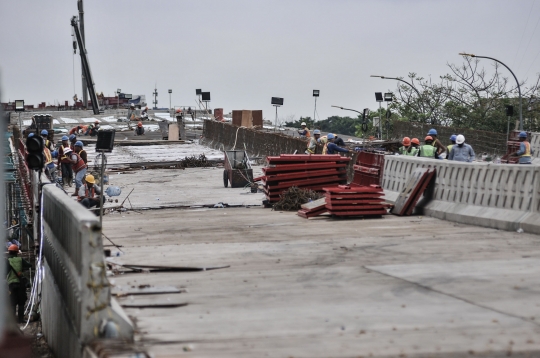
column 65, row 137
column 72, row 136
column 67, row 150
column 146, row 107
column 406, row 141
column 316, row 131
column 44, row 132
column 415, row 141
column 79, row 144
column 432, row 132
column 96, row 122
column 30, row 135
column 428, row 139
column 460, row 139
column 303, row 124
column 330, row 136
column 453, row 137
column 139, row 124
column 522, row 134
column 90, row 179
column 13, row 247
column 132, row 105
column 178, row 110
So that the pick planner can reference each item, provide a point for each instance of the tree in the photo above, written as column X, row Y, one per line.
column 467, row 97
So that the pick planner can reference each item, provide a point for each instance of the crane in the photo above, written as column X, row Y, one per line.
column 85, row 66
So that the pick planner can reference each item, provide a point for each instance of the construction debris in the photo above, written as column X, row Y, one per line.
column 294, row 197
column 195, row 162
column 312, row 172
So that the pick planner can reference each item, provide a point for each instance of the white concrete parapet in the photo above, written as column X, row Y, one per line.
column 502, row 196
column 76, row 295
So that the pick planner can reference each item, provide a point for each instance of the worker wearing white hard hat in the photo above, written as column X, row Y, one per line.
column 304, row 132
column 461, row 152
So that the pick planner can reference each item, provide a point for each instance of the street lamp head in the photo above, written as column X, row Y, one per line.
column 467, row 54
column 170, row 91
column 377, row 76
column 388, row 97
column 315, row 93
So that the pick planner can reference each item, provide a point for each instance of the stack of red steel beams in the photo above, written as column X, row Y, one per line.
column 309, row 171
column 354, row 200
column 368, row 168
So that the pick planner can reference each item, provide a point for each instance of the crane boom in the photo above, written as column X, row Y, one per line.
column 86, row 67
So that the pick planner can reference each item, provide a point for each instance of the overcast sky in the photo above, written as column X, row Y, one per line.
column 245, row 52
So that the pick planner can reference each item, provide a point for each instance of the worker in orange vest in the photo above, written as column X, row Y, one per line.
column 89, row 193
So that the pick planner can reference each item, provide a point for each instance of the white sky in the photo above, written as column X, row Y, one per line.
column 245, row 52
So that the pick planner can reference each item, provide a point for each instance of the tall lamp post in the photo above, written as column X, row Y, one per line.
column 170, row 105
column 518, row 86
column 388, row 97
column 315, row 94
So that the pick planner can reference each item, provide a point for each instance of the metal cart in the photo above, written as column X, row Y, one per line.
column 238, row 169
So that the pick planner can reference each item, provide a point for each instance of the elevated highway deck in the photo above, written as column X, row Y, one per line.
column 390, row 287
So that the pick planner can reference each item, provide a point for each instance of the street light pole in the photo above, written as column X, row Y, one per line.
column 518, row 86
column 399, row 79
column 170, row 105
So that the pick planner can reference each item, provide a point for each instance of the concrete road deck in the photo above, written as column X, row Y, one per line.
column 390, row 287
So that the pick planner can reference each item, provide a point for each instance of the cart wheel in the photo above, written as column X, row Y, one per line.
column 225, row 178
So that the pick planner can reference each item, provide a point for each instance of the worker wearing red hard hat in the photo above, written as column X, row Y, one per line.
column 428, row 150
column 16, row 281
column 140, row 129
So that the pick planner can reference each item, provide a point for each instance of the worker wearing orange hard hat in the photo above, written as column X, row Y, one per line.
column 16, row 280
column 140, row 129
column 428, row 150
column 407, row 148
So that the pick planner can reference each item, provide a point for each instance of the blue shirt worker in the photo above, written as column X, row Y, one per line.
column 461, row 152
column 331, row 147
column 524, row 151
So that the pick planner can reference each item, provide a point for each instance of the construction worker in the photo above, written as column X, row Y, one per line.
column 80, row 151
column 449, row 146
column 131, row 116
column 75, row 130
column 428, row 150
column 304, row 132
column 64, row 163
column 524, row 151
column 331, row 147
column 48, row 144
column 461, row 152
column 144, row 113
column 16, row 281
column 79, row 168
column 140, row 129
column 72, row 141
column 338, row 141
column 89, row 193
column 93, row 131
column 441, row 149
column 313, row 141
column 50, row 169
column 406, row 146
column 415, row 144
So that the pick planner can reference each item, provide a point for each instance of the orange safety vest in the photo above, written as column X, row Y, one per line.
column 87, row 193
column 79, row 165
column 48, row 155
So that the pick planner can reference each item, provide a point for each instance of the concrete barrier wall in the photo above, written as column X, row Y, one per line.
column 219, row 135
column 76, row 295
column 493, row 195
